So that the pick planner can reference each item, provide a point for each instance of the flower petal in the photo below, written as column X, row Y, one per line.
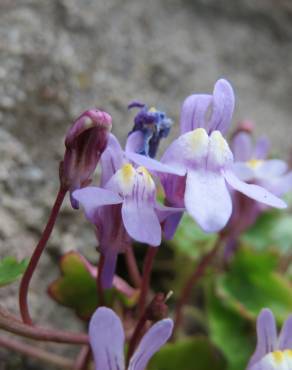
column 243, row 171
column 152, row 341
column 207, row 199
column 253, row 191
column 93, row 197
column 109, row 268
column 170, row 217
column 285, row 338
column 194, row 111
column 135, row 142
column 106, row 336
column 241, row 146
column 262, row 148
column 223, row 106
column 153, row 165
column 266, row 336
column 141, row 221
column 271, row 168
column 111, row 159
column 280, row 185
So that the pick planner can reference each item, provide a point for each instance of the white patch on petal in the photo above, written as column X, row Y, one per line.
column 219, row 152
column 278, row 360
column 194, row 144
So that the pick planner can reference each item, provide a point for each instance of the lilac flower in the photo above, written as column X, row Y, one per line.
column 252, row 165
column 150, row 126
column 85, row 142
column 272, row 352
column 202, row 153
column 107, row 339
column 124, row 207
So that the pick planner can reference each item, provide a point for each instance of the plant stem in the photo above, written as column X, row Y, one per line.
column 35, row 352
column 138, row 332
column 133, row 269
column 100, row 290
column 24, row 285
column 148, row 263
column 8, row 323
column 82, row 359
column 192, row 280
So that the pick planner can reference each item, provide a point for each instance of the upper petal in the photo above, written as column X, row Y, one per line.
column 135, row 142
column 106, row 336
column 207, row 199
column 93, row 197
column 253, row 191
column 223, row 106
column 152, row 341
column 285, row 338
column 241, row 146
column 194, row 112
column 262, row 148
column 266, row 336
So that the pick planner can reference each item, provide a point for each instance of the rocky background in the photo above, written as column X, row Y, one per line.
column 60, row 57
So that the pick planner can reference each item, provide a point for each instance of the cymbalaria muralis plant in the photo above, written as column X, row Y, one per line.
column 176, row 233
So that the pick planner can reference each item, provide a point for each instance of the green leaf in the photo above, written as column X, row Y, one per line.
column 196, row 353
column 11, row 270
column 230, row 332
column 76, row 288
column 190, row 240
column 272, row 229
column 252, row 283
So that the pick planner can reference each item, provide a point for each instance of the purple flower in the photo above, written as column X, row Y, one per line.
column 272, row 352
column 125, row 206
column 150, row 126
column 202, row 153
column 85, row 142
column 252, row 165
column 107, row 339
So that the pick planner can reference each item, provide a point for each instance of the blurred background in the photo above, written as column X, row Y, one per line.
column 61, row 57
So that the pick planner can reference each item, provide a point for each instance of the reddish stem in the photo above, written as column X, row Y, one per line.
column 82, row 359
column 192, row 280
column 148, row 263
column 24, row 285
column 100, row 290
column 138, row 332
column 35, row 352
column 10, row 324
column 133, row 269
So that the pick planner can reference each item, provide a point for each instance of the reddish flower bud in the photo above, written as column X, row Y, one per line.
column 157, row 309
column 85, row 142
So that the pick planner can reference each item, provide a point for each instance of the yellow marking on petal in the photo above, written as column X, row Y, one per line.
column 148, row 178
column 152, row 110
column 126, row 178
column 219, row 151
column 195, row 144
column 254, row 163
column 278, row 356
column 288, row 352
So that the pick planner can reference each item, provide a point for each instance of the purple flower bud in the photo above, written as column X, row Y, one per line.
column 85, row 142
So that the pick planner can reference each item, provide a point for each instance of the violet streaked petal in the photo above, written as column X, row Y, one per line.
column 152, row 341
column 271, row 168
column 93, row 197
column 194, row 112
column 223, row 106
column 111, row 159
column 106, row 336
column 207, row 199
column 153, row 165
column 141, row 221
column 262, row 148
column 266, row 336
column 285, row 337
column 135, row 142
column 253, row 191
column 241, row 146
column 109, row 269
